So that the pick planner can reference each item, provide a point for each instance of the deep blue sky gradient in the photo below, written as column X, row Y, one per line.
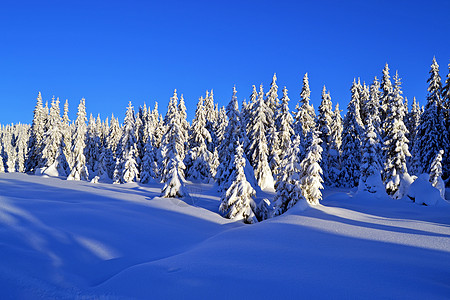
column 111, row 52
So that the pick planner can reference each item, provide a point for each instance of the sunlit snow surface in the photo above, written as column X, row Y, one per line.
column 68, row 239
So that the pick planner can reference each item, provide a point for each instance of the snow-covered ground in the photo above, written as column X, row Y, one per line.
column 68, row 239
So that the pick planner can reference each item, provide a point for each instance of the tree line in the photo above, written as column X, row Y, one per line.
column 381, row 141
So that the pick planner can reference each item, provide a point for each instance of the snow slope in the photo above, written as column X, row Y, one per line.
column 66, row 239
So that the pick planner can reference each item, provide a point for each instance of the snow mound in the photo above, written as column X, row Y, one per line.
column 422, row 192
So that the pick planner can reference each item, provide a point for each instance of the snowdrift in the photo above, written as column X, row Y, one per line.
column 70, row 239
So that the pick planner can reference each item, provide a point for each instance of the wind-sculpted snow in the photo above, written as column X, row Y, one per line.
column 74, row 239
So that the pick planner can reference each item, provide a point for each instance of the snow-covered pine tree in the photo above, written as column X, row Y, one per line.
column 92, row 146
column 258, row 148
column 79, row 170
column 372, row 106
column 311, row 174
column 436, row 169
column 34, row 155
column 446, row 109
column 141, row 133
column 324, row 124
column 199, row 158
column 67, row 134
column 174, row 181
column 159, row 128
column 364, row 94
column 227, row 150
column 112, row 142
column 21, row 147
column 431, row 135
column 184, row 125
column 370, row 170
column 305, row 115
column 395, row 149
column 351, row 141
column 272, row 137
column 222, row 122
column 148, row 169
column 413, row 121
column 172, row 144
column 288, row 179
column 53, row 143
column 334, row 159
column 284, row 123
column 127, row 165
column 237, row 202
column 385, row 98
column 211, row 120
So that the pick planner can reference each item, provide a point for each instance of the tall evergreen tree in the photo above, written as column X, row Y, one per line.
column 79, row 170
column 324, row 124
column 446, row 109
column 37, row 132
column 431, row 135
column 284, row 123
column 351, row 141
column 53, row 142
column 311, row 180
column 227, row 150
column 288, row 179
column 372, row 106
column 370, row 170
column 395, row 144
column 258, row 144
column 237, row 202
column 127, row 164
column 334, row 159
column 385, row 99
column 199, row 158
column 305, row 115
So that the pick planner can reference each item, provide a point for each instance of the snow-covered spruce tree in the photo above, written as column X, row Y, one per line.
column 159, row 127
column 172, row 144
column 334, row 151
column 370, row 178
column 436, row 169
column 7, row 141
column 372, row 106
column 92, row 146
column 284, row 123
column 395, row 149
column 148, row 165
column 21, row 147
column 413, row 121
column 431, row 135
column 247, row 109
column 53, row 144
column 67, row 134
column 258, row 144
column 385, row 98
column 36, row 135
column 324, row 124
column 311, row 180
column 2, row 163
column 112, row 142
column 174, row 180
column 237, row 202
column 211, row 120
column 288, row 179
column 227, row 150
column 199, row 158
column 351, row 141
column 141, row 134
column 184, row 124
column 127, row 165
column 305, row 115
column 364, row 98
column 446, row 109
column 79, row 170
column 273, row 141
column 222, row 122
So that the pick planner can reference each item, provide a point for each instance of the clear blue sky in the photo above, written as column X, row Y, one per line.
column 111, row 52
